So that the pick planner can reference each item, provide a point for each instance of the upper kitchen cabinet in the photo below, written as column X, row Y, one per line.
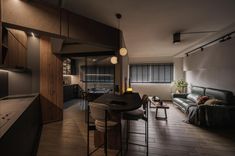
column 32, row 16
column 14, row 49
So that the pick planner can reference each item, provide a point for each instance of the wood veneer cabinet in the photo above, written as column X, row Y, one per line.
column 51, row 82
column 14, row 48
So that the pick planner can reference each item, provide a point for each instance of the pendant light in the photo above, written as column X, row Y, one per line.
column 114, row 60
column 122, row 51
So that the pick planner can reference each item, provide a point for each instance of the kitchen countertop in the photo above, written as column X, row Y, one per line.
column 11, row 108
column 69, row 84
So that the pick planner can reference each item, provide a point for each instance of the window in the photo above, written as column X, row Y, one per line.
column 102, row 74
column 151, row 73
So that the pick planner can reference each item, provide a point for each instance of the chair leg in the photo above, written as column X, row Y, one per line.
column 88, row 141
column 121, row 137
column 147, row 132
column 145, row 126
column 165, row 114
column 105, row 135
column 156, row 112
column 127, row 134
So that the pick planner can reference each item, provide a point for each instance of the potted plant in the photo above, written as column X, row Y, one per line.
column 181, row 86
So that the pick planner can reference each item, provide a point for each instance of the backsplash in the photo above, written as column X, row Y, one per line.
column 66, row 80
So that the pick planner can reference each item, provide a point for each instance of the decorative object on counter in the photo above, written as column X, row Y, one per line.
column 181, row 86
column 129, row 90
column 154, row 101
column 67, row 80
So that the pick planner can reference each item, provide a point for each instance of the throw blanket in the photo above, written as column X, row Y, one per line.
column 210, row 116
column 193, row 115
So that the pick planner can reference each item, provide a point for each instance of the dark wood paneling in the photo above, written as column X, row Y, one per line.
column 31, row 15
column 51, row 82
column 58, row 22
column 90, row 31
column 3, row 83
column 16, row 54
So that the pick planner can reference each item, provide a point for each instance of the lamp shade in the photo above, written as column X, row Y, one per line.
column 123, row 51
column 114, row 60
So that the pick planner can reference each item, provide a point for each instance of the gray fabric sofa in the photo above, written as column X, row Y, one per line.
column 216, row 115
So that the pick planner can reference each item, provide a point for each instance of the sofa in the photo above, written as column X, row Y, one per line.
column 207, row 115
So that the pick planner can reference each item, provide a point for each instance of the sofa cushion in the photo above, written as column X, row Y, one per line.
column 224, row 95
column 198, row 90
column 193, row 97
column 214, row 102
column 202, row 99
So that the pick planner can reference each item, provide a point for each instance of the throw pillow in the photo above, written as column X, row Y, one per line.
column 214, row 102
column 202, row 99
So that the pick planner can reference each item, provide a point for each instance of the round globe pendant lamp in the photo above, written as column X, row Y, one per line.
column 123, row 50
column 114, row 60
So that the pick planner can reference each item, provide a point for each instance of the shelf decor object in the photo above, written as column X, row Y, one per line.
column 67, row 66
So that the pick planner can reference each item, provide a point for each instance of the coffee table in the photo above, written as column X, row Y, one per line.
column 164, row 107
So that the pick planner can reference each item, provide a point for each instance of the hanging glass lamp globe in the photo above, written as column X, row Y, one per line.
column 123, row 51
column 114, row 60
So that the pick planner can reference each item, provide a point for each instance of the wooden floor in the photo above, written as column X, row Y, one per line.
column 174, row 137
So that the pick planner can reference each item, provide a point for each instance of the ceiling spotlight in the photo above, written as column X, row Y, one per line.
column 176, row 38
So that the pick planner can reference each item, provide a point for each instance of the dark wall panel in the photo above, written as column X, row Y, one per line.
column 3, row 83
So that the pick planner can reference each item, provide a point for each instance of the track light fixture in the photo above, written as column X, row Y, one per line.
column 177, row 35
column 176, row 38
column 218, row 40
column 225, row 38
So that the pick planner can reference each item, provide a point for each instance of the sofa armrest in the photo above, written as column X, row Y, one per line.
column 217, row 115
column 176, row 95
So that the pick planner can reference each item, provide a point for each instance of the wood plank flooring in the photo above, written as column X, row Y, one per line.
column 172, row 137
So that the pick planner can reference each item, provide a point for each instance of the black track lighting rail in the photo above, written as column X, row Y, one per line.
column 220, row 39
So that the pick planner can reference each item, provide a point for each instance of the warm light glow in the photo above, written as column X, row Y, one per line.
column 123, row 51
column 32, row 34
column 129, row 89
column 114, row 60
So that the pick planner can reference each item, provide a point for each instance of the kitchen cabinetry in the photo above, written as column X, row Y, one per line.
column 51, row 82
column 20, row 133
column 71, row 92
column 14, row 49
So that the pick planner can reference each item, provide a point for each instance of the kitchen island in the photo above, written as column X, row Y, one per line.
column 20, row 124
